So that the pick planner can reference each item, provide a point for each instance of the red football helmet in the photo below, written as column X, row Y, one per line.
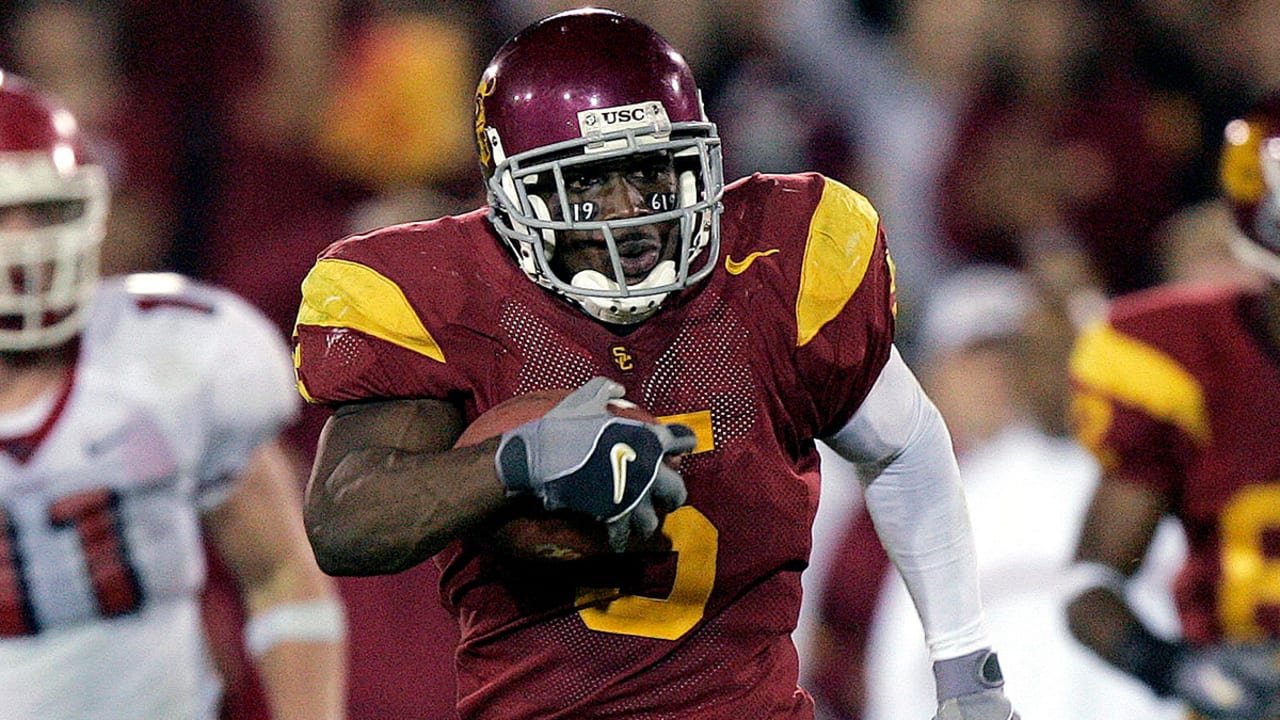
column 50, row 270
column 1250, row 173
column 580, row 87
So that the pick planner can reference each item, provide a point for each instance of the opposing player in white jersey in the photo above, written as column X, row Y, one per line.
column 137, row 420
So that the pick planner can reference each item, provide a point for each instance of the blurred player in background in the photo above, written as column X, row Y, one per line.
column 996, row 345
column 137, row 416
column 757, row 317
column 1177, row 397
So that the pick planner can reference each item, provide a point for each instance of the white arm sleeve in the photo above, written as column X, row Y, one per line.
column 903, row 452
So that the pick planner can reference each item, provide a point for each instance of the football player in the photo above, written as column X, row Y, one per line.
column 1177, row 396
column 753, row 318
column 137, row 419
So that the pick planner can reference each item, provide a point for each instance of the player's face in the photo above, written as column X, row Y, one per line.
column 25, row 277
column 615, row 190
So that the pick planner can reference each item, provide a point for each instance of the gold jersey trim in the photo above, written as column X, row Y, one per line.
column 698, row 421
column 297, row 377
column 344, row 294
column 1124, row 369
column 842, row 237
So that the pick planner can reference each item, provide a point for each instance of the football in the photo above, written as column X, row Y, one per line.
column 527, row 531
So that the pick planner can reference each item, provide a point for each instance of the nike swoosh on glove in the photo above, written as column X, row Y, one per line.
column 579, row 456
column 970, row 687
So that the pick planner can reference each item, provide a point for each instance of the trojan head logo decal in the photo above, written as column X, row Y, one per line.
column 484, row 90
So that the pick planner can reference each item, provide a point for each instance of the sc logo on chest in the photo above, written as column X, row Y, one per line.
column 622, row 358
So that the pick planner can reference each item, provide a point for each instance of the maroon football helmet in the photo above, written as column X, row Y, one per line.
column 1250, row 173
column 49, row 271
column 586, row 86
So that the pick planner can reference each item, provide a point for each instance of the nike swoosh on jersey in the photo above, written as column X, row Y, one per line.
column 619, row 455
column 737, row 267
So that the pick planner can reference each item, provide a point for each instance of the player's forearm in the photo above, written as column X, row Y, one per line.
column 296, row 632
column 1100, row 619
column 383, row 511
column 921, row 518
column 903, row 451
column 305, row 680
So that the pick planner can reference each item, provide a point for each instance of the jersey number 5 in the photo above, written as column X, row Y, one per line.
column 695, row 541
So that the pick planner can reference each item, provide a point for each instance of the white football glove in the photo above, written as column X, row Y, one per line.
column 970, row 688
column 579, row 456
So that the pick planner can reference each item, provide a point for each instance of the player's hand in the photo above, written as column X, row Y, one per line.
column 579, row 456
column 1230, row 682
column 970, row 687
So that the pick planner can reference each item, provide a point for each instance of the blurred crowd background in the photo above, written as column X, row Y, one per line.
column 1068, row 146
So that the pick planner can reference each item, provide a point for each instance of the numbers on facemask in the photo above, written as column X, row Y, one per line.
column 585, row 211
column 662, row 201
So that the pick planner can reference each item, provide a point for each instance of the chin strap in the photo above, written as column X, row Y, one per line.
column 628, row 310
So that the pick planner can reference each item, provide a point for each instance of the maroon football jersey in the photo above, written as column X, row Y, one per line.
column 1178, row 392
column 778, row 346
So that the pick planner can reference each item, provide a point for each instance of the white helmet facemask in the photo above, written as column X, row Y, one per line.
column 48, row 274
column 521, row 215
